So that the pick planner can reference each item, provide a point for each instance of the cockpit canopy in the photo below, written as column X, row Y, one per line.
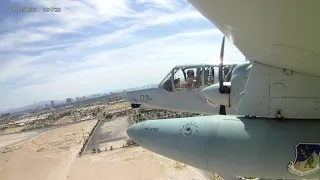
column 187, row 77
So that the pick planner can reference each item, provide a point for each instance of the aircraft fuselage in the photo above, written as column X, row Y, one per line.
column 159, row 98
column 288, row 149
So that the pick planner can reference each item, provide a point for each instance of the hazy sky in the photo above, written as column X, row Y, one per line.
column 95, row 46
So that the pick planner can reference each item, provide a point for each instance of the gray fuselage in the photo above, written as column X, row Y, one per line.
column 237, row 145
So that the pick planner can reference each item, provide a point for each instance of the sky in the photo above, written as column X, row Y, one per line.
column 97, row 46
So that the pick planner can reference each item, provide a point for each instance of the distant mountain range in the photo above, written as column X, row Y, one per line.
column 57, row 102
column 32, row 106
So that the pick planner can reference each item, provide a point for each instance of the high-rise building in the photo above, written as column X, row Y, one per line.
column 5, row 115
column 69, row 100
column 52, row 103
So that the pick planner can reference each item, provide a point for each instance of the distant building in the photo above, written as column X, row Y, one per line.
column 95, row 95
column 5, row 115
column 69, row 100
column 77, row 99
column 52, row 103
column 47, row 105
column 83, row 98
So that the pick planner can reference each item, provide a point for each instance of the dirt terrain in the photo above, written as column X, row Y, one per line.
column 53, row 155
column 41, row 156
column 133, row 163
column 10, row 139
column 11, row 130
column 118, row 106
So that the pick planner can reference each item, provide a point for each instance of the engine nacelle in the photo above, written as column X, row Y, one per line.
column 238, row 82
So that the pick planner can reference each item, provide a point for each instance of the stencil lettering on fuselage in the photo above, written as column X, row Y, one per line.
column 151, row 129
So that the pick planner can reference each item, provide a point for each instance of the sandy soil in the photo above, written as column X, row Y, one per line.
column 61, row 139
column 118, row 106
column 9, row 139
column 32, row 118
column 92, row 107
column 133, row 163
column 11, row 130
column 46, row 156
column 64, row 120
column 53, row 156
column 122, row 164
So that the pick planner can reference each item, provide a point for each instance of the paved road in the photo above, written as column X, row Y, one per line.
column 107, row 132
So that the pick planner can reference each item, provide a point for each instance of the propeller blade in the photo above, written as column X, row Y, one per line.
column 221, row 64
column 222, row 110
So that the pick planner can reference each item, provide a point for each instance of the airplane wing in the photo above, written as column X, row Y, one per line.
column 280, row 38
column 278, row 33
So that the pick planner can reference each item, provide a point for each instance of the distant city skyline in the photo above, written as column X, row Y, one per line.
column 61, row 101
column 99, row 46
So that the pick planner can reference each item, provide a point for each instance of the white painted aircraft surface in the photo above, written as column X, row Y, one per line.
column 280, row 40
column 168, row 95
column 275, row 134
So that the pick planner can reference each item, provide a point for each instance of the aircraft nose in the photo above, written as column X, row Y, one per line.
column 134, row 131
column 212, row 93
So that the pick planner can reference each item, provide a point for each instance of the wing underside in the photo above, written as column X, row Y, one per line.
column 282, row 33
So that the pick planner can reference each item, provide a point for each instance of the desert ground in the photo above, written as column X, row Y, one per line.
column 133, row 163
column 54, row 155
column 10, row 139
column 44, row 156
